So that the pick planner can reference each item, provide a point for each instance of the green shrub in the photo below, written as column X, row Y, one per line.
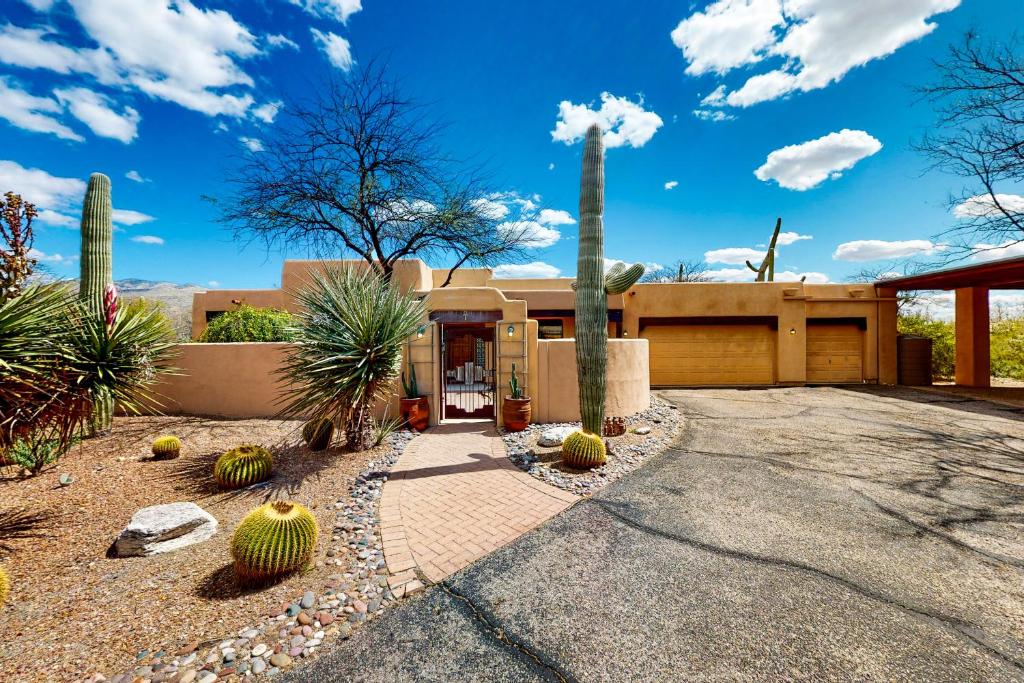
column 249, row 324
column 1008, row 348
column 943, row 336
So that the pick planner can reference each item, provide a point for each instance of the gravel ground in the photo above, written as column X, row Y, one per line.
column 74, row 614
column 647, row 433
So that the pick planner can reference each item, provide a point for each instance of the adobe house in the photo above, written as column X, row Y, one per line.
column 666, row 335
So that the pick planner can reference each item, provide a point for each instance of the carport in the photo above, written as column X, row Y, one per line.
column 971, row 284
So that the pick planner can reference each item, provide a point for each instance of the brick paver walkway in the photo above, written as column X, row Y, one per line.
column 452, row 498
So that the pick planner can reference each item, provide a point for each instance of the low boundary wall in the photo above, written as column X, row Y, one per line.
column 628, row 380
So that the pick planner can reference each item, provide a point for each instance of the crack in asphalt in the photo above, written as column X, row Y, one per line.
column 493, row 629
column 964, row 629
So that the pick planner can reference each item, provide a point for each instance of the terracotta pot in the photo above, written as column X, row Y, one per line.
column 515, row 413
column 415, row 412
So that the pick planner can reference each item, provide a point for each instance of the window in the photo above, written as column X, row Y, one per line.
column 549, row 329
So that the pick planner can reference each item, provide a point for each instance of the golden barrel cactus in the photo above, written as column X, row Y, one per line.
column 317, row 433
column 273, row 540
column 5, row 586
column 166, row 447
column 583, row 451
column 243, row 466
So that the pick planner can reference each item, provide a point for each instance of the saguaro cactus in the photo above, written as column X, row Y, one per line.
column 619, row 278
column 97, row 237
column 591, row 304
column 766, row 271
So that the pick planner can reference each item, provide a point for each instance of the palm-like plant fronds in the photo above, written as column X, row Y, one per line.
column 350, row 348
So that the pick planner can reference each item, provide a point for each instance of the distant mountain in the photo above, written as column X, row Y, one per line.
column 176, row 299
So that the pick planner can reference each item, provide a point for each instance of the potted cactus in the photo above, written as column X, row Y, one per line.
column 414, row 408
column 515, row 409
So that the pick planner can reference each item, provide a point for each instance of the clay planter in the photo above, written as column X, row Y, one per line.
column 415, row 412
column 515, row 413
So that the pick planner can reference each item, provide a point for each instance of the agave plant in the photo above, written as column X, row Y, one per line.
column 41, row 399
column 350, row 351
column 119, row 357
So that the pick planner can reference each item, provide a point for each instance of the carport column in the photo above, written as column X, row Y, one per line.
column 972, row 337
column 888, row 315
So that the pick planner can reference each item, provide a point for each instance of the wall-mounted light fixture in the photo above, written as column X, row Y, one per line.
column 792, row 330
column 420, row 332
column 625, row 333
column 511, row 330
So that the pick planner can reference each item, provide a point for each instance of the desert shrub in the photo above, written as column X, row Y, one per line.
column 249, row 324
column 943, row 336
column 1008, row 348
column 38, row 449
column 351, row 333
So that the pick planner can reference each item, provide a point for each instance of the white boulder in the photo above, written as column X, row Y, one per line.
column 555, row 436
column 164, row 528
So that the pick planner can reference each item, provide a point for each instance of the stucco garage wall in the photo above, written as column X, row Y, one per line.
column 629, row 385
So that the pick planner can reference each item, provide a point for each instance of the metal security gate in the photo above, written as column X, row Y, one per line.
column 468, row 371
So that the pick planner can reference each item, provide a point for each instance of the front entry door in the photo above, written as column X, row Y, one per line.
column 467, row 371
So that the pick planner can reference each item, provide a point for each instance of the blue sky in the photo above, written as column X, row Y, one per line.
column 171, row 92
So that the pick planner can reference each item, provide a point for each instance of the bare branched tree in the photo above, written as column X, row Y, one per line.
column 693, row 270
column 979, row 98
column 905, row 299
column 358, row 170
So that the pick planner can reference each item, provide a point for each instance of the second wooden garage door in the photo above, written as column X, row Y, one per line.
column 834, row 354
column 708, row 355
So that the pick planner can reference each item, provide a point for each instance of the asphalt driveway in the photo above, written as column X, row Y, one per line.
column 792, row 534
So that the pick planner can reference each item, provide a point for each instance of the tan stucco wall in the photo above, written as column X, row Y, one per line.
column 628, row 380
column 224, row 300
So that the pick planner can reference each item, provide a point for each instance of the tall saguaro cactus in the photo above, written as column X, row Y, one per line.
column 591, row 303
column 766, row 271
column 96, row 276
column 97, row 236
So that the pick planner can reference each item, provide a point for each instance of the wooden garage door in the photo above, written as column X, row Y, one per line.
column 835, row 354
column 708, row 355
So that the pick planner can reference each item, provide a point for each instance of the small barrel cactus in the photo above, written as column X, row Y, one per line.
column 583, row 451
column 243, row 466
column 5, row 586
column 166, row 447
column 317, row 433
column 273, row 540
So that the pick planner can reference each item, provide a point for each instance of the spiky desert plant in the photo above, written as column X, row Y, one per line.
column 515, row 391
column 349, row 353
column 97, row 239
column 317, row 433
column 16, row 238
column 5, row 586
column 591, row 304
column 411, row 387
column 583, row 451
column 619, row 278
column 766, row 270
column 273, row 540
column 166, row 447
column 243, row 466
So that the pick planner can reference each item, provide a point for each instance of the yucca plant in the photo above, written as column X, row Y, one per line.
column 120, row 357
column 350, row 349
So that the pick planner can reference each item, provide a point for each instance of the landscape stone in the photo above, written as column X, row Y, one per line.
column 555, row 435
column 164, row 528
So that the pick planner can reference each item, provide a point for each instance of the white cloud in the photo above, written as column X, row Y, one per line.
column 727, row 34
column 28, row 112
column 340, row 10
column 531, row 233
column 267, row 112
column 97, row 112
column 734, row 255
column 40, row 5
column 534, row 269
column 991, row 252
column 786, row 238
column 555, row 217
column 624, row 122
column 672, row 184
column 878, row 250
column 747, row 275
column 55, row 218
column 801, row 167
column 713, row 115
column 491, row 209
column 55, row 259
column 551, row 166
column 252, row 144
column 148, row 239
column 135, row 176
column 984, row 206
column 278, row 40
column 168, row 50
column 39, row 187
column 337, row 49
column 817, row 41
column 213, row 283
column 129, row 217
